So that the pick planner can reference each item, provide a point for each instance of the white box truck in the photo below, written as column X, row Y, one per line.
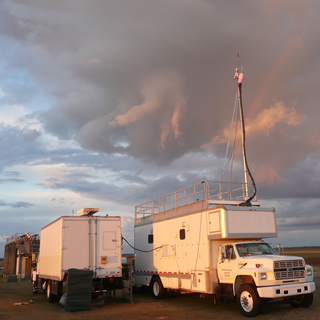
column 202, row 239
column 84, row 242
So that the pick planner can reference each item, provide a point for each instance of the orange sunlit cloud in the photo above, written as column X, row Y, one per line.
column 269, row 118
column 267, row 175
column 163, row 90
column 264, row 123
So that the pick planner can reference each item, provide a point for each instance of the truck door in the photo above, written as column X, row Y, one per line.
column 227, row 266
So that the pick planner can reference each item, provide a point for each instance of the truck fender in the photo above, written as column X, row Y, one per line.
column 240, row 280
column 163, row 279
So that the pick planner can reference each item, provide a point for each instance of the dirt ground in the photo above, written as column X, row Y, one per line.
column 183, row 306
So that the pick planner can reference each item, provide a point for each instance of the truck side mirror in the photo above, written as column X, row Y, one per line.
column 223, row 253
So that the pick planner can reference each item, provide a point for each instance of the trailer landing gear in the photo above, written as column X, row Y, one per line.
column 50, row 297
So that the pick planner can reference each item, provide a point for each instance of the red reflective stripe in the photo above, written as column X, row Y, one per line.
column 114, row 276
column 169, row 272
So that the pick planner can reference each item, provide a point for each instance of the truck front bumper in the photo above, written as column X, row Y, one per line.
column 286, row 290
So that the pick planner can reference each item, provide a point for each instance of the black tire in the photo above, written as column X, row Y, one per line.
column 302, row 301
column 50, row 295
column 249, row 302
column 158, row 291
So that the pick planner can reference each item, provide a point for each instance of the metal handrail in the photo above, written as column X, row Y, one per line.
column 172, row 200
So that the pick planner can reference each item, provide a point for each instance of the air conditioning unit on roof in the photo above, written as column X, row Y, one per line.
column 87, row 211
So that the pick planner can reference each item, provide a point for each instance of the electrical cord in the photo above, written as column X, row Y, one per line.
column 248, row 201
column 139, row 249
column 196, row 264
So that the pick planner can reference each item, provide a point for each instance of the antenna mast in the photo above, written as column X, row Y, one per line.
column 239, row 77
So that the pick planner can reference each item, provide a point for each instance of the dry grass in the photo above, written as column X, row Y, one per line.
column 144, row 307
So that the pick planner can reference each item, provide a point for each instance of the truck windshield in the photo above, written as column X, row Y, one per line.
column 250, row 249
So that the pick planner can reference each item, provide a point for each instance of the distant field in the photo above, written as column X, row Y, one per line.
column 305, row 255
column 310, row 255
column 303, row 249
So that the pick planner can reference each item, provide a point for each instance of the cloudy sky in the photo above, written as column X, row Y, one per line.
column 112, row 103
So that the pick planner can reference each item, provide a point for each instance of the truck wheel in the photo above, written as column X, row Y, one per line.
column 249, row 302
column 302, row 301
column 158, row 291
column 50, row 296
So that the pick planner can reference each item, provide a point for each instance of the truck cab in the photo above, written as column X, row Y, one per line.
column 257, row 273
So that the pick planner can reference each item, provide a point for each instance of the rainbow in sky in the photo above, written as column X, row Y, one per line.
column 268, row 79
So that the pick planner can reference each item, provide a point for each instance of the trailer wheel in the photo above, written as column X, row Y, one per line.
column 249, row 302
column 158, row 291
column 302, row 301
column 50, row 296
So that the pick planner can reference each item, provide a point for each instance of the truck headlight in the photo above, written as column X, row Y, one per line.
column 309, row 272
column 263, row 276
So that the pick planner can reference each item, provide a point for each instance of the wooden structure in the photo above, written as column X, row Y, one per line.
column 18, row 254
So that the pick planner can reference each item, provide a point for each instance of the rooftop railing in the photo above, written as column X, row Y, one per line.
column 210, row 192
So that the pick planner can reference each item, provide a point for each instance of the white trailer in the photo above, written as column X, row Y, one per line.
column 193, row 240
column 83, row 242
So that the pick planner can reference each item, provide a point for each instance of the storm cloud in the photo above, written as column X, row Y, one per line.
column 123, row 101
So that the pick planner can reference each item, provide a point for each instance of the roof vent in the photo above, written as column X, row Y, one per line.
column 87, row 211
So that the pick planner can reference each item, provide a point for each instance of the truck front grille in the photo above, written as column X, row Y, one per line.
column 289, row 269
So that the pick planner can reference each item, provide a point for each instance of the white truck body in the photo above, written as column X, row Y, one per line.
column 183, row 236
column 81, row 242
column 191, row 263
